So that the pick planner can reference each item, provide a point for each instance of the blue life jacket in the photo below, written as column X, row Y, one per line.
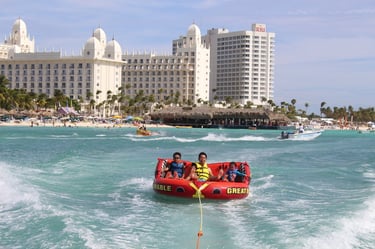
column 230, row 174
column 177, row 167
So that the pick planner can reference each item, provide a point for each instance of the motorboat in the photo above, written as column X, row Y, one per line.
column 306, row 134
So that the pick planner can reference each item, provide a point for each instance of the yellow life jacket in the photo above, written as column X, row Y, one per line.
column 202, row 171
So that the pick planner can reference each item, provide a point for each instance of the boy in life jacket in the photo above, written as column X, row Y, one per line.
column 176, row 168
column 232, row 173
column 200, row 170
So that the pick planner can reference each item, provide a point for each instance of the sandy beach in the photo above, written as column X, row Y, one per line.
column 82, row 124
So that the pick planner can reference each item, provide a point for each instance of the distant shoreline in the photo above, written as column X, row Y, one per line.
column 88, row 124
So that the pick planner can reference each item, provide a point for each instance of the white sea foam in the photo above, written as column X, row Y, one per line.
column 264, row 183
column 223, row 138
column 349, row 232
column 211, row 137
column 13, row 191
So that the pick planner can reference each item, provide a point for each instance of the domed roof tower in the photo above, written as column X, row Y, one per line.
column 113, row 50
column 101, row 36
column 193, row 35
column 93, row 48
column 19, row 37
column 19, row 31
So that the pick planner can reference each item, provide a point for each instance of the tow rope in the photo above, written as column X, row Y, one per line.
column 200, row 232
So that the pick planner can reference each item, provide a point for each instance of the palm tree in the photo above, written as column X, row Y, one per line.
column 92, row 105
column 98, row 92
column 41, row 101
column 293, row 102
column 228, row 100
column 176, row 97
column 322, row 104
column 292, row 108
column 306, row 106
column 160, row 92
column 59, row 97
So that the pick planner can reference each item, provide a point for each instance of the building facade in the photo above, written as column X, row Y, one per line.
column 200, row 69
column 242, row 64
column 180, row 78
column 90, row 75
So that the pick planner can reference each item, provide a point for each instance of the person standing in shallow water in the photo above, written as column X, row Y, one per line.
column 200, row 170
column 175, row 169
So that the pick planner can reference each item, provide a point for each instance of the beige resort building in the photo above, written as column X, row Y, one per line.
column 97, row 69
column 183, row 76
column 206, row 68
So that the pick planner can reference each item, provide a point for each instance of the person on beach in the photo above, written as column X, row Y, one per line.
column 175, row 169
column 200, row 170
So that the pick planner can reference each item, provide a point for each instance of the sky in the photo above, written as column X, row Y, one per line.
column 325, row 50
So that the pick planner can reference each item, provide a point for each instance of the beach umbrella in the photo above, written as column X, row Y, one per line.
column 129, row 118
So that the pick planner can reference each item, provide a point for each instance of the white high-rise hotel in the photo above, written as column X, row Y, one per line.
column 213, row 67
column 242, row 64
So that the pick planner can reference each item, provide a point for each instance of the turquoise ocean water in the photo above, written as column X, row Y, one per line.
column 92, row 188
